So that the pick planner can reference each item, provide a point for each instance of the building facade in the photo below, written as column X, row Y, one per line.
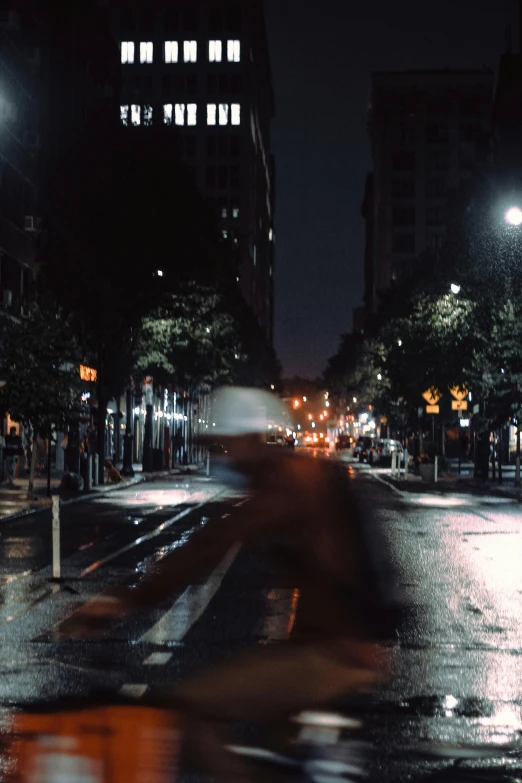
column 19, row 144
column 428, row 132
column 203, row 69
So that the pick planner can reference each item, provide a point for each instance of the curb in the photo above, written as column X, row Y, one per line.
column 94, row 494
column 462, row 484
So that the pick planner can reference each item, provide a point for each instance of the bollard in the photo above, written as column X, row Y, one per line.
column 208, row 464
column 406, row 463
column 88, row 473
column 56, row 537
column 436, row 477
column 95, row 474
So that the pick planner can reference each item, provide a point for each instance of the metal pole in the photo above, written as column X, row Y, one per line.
column 56, row 537
column 517, row 462
column 208, row 464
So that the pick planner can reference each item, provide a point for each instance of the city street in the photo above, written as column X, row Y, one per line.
column 457, row 662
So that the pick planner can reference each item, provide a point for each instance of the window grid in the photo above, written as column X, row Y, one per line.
column 146, row 51
column 233, row 51
column 235, row 114
column 127, row 52
column 211, row 113
column 179, row 113
column 167, row 113
column 215, row 51
column 171, row 51
column 223, row 113
column 190, row 51
column 192, row 113
column 135, row 114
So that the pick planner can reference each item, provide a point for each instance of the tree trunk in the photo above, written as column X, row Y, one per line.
column 30, row 488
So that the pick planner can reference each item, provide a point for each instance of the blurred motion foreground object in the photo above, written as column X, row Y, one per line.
column 98, row 744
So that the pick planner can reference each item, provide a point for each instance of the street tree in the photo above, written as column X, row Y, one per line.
column 38, row 356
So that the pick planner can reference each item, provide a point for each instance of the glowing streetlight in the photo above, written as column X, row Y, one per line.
column 304, row 399
column 399, row 343
column 296, row 403
column 514, row 216
column 455, row 288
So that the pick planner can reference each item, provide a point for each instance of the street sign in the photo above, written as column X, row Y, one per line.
column 460, row 393
column 459, row 405
column 432, row 409
column 432, row 396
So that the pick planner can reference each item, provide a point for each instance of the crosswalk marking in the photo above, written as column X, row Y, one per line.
column 189, row 607
column 133, row 691
column 157, row 659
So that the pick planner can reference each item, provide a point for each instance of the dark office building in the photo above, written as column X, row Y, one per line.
column 203, row 68
column 429, row 130
column 19, row 145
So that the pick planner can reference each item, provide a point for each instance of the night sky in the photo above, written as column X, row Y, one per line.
column 322, row 55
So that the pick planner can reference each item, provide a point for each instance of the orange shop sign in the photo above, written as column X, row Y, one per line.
column 88, row 373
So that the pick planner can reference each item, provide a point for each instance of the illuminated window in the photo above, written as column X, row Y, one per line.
column 127, row 52
column 224, row 212
column 235, row 212
column 179, row 113
column 147, row 115
column 215, row 51
column 135, row 114
column 211, row 113
column 235, row 114
column 224, row 233
column 171, row 51
column 223, row 113
column 190, row 51
column 146, row 48
column 192, row 113
column 167, row 113
column 124, row 115
column 233, row 51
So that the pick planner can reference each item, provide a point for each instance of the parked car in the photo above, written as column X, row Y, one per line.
column 362, row 444
column 382, row 450
column 343, row 442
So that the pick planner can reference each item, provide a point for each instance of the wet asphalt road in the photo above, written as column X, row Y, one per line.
column 457, row 661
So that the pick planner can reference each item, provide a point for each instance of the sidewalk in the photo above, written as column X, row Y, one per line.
column 451, row 481
column 14, row 502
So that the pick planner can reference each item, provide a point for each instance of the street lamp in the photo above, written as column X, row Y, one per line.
column 455, row 288
column 514, row 216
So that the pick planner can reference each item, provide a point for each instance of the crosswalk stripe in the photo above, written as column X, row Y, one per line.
column 133, row 691
column 157, row 659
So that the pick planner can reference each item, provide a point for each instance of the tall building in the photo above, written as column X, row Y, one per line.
column 203, row 68
column 19, row 142
column 428, row 131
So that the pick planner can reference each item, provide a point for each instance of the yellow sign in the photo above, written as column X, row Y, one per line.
column 459, row 405
column 432, row 409
column 432, row 396
column 459, row 393
column 88, row 373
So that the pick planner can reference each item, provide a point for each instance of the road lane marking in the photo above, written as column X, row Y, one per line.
column 147, row 536
column 133, row 691
column 190, row 606
column 157, row 659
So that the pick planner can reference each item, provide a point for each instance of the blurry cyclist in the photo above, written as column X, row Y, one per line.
column 305, row 512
